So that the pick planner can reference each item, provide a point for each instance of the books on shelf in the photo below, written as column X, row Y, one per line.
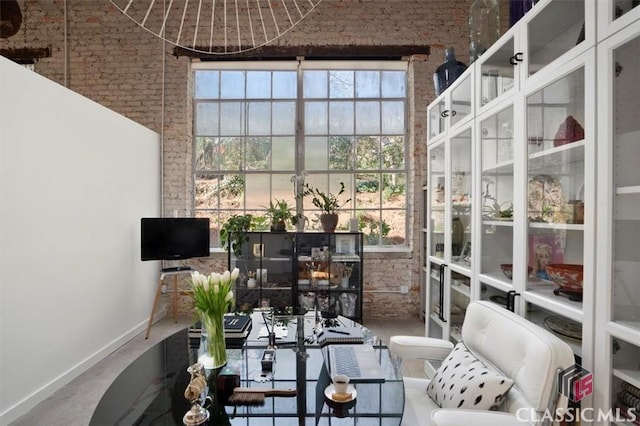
column 338, row 335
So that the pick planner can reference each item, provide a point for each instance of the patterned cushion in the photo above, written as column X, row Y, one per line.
column 463, row 381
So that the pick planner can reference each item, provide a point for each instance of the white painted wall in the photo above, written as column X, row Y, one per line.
column 75, row 179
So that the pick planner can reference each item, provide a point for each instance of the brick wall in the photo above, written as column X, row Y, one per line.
column 105, row 56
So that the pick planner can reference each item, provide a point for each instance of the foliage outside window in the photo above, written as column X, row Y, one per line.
column 255, row 133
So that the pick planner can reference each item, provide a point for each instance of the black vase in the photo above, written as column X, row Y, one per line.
column 448, row 72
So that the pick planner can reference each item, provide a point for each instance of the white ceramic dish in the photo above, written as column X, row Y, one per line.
column 329, row 390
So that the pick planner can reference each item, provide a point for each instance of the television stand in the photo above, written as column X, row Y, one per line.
column 177, row 269
column 165, row 272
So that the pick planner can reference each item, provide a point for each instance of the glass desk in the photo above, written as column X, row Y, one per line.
column 150, row 391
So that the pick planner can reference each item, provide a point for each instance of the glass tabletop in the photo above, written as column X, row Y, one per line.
column 150, row 391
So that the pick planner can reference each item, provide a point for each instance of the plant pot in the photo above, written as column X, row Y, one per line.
column 278, row 226
column 329, row 221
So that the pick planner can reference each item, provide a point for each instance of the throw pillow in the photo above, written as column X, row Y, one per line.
column 463, row 381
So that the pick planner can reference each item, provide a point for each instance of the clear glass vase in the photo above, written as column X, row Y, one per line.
column 214, row 348
column 484, row 27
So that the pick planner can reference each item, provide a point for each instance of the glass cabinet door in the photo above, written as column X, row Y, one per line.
column 616, row 14
column 626, row 181
column 496, row 142
column 435, row 308
column 555, row 30
column 436, row 194
column 460, row 184
column 497, row 72
column 437, row 118
column 461, row 97
column 556, row 178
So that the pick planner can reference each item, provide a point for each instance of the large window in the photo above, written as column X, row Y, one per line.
column 259, row 126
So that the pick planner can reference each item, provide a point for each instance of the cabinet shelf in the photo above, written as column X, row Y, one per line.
column 630, row 376
column 554, row 158
column 503, row 168
column 557, row 226
column 628, row 190
column 497, row 280
column 537, row 317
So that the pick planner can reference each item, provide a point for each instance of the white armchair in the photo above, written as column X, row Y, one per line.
column 509, row 346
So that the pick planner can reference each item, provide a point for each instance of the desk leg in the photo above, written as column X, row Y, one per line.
column 175, row 298
column 156, row 301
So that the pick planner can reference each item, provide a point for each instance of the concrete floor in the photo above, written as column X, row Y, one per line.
column 73, row 404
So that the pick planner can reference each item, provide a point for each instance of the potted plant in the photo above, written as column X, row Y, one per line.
column 280, row 213
column 234, row 232
column 328, row 203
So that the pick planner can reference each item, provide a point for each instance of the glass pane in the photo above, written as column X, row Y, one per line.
column 367, row 118
column 283, row 154
column 341, row 118
column 258, row 153
column 497, row 73
column 555, row 184
column 316, row 118
column 497, row 195
column 206, row 119
column 207, row 84
column 461, row 100
column 626, row 181
column 232, row 84
column 368, row 190
column 625, row 383
column 315, row 84
column 392, row 153
column 284, row 85
column 316, row 153
column 394, row 189
column 367, row 84
column 258, row 191
column 231, row 119
column 367, row 153
column 393, row 84
column 258, row 84
column 341, row 84
column 232, row 153
column 555, row 30
column 435, row 308
column 436, row 189
column 206, row 153
column 207, row 189
column 392, row 229
column 259, row 118
column 461, row 199
column 284, row 118
column 393, row 118
column 620, row 7
column 460, row 295
column 436, row 120
column 340, row 152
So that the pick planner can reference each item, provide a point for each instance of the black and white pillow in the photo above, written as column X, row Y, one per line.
column 463, row 381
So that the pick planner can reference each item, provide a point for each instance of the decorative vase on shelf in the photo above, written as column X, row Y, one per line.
column 484, row 27
column 448, row 72
column 214, row 347
column 329, row 221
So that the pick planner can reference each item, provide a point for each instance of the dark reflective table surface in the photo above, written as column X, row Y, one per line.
column 150, row 391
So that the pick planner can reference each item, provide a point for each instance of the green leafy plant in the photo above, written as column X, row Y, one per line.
column 496, row 210
column 280, row 213
column 325, row 201
column 233, row 232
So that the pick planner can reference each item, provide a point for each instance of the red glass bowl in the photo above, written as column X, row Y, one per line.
column 566, row 276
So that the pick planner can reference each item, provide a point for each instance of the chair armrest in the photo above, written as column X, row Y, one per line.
column 418, row 347
column 451, row 417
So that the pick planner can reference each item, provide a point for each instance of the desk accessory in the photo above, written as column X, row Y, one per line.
column 257, row 396
column 337, row 335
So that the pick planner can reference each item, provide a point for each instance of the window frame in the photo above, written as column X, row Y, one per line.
column 300, row 66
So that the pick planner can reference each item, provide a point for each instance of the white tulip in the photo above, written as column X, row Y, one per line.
column 215, row 278
column 216, row 288
column 229, row 296
column 234, row 274
column 205, row 284
column 225, row 277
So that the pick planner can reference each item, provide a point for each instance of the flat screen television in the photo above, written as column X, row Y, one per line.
column 174, row 238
